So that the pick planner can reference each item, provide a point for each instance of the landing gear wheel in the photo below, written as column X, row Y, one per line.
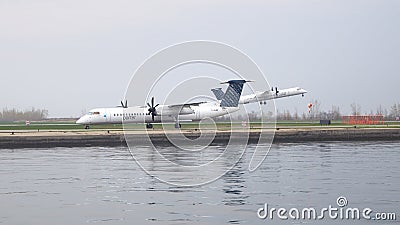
column 86, row 127
column 149, row 126
column 177, row 125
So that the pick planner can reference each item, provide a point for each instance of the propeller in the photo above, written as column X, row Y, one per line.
column 276, row 91
column 124, row 105
column 152, row 109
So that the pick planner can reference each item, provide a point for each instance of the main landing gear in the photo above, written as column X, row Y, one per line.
column 87, row 127
column 177, row 125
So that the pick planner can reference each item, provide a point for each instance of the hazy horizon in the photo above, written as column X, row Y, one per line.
column 68, row 57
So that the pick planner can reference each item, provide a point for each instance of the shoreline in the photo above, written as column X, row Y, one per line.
column 113, row 138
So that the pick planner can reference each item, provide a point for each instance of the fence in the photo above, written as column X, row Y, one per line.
column 367, row 120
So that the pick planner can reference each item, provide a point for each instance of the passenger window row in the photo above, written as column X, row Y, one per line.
column 129, row 114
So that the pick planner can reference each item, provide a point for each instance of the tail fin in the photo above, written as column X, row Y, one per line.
column 232, row 94
column 218, row 93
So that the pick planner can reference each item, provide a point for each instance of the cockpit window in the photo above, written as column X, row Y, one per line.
column 94, row 113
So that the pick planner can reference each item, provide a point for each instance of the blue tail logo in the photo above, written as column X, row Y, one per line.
column 218, row 93
column 232, row 94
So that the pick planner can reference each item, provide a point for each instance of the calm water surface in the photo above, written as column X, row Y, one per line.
column 105, row 186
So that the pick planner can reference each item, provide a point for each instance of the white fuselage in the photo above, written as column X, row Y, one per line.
column 140, row 114
column 268, row 95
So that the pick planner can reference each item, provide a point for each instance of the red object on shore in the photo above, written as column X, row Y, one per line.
column 309, row 107
column 362, row 119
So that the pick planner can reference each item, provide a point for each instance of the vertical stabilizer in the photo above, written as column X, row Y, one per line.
column 232, row 94
column 218, row 93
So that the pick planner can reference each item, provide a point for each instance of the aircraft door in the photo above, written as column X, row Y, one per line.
column 107, row 116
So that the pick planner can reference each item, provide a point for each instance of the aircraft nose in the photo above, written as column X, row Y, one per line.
column 80, row 121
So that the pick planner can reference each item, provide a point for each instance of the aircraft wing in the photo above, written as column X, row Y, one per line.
column 265, row 94
column 183, row 109
column 179, row 109
column 186, row 104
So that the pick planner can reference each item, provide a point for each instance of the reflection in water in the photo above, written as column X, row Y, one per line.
column 105, row 186
column 234, row 185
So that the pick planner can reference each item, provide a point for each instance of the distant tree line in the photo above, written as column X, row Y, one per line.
column 316, row 113
column 11, row 115
column 334, row 113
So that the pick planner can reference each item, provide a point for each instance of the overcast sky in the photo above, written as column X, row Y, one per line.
column 71, row 56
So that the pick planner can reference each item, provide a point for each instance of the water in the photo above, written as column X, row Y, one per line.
column 105, row 186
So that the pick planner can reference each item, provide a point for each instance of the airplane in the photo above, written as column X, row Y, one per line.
column 151, row 113
column 262, row 97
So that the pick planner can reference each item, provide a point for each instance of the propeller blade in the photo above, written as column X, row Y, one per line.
column 122, row 104
column 126, row 103
column 152, row 108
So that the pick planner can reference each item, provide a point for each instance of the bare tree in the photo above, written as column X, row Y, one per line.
column 295, row 115
column 355, row 109
column 335, row 113
column 394, row 111
column 315, row 111
column 287, row 115
column 379, row 110
column 253, row 116
column 304, row 116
